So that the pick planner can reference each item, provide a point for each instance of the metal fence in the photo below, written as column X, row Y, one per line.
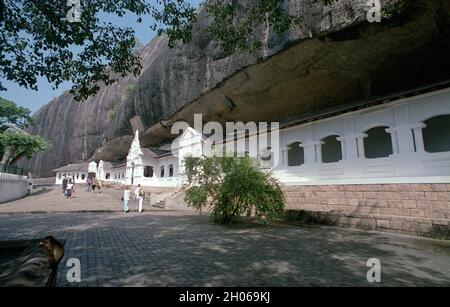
column 13, row 169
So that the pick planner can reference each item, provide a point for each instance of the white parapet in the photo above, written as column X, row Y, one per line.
column 12, row 187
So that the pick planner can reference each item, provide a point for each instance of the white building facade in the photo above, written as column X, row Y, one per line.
column 385, row 167
column 405, row 141
column 77, row 172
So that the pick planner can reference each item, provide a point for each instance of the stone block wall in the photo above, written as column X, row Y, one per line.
column 417, row 209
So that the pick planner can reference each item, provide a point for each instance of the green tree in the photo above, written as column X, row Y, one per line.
column 14, row 142
column 21, row 144
column 13, row 114
column 37, row 39
column 231, row 187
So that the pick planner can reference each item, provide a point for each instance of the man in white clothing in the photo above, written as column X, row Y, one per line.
column 126, row 197
column 139, row 195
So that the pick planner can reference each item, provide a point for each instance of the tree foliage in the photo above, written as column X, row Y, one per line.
column 13, row 114
column 231, row 187
column 37, row 39
column 19, row 144
column 14, row 142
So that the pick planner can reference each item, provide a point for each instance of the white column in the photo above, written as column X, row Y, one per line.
column 405, row 139
column 138, row 173
column 418, row 137
column 309, row 150
column 394, row 139
column 403, row 129
column 350, row 146
column 349, row 137
column 128, row 174
column 360, row 143
column 318, row 146
column 343, row 147
column 286, row 156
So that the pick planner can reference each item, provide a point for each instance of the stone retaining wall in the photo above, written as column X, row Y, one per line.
column 12, row 187
column 417, row 209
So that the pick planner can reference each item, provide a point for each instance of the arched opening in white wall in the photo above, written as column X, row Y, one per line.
column 171, row 170
column 162, row 172
column 296, row 154
column 83, row 176
column 331, row 149
column 148, row 172
column 436, row 136
column 108, row 176
column 378, row 143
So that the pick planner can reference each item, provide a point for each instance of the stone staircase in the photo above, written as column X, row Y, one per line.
column 160, row 205
column 166, row 199
column 157, row 198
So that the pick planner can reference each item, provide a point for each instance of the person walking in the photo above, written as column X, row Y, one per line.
column 99, row 186
column 88, row 184
column 126, row 198
column 69, row 189
column 94, row 185
column 139, row 195
column 64, row 185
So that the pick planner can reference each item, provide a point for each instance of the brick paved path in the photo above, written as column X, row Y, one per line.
column 185, row 249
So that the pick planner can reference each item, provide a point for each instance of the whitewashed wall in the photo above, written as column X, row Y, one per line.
column 404, row 119
column 157, row 180
column 409, row 162
column 12, row 187
column 79, row 177
column 117, row 175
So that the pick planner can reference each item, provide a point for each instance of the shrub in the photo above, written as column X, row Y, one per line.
column 231, row 187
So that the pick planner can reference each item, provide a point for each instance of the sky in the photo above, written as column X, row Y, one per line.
column 33, row 100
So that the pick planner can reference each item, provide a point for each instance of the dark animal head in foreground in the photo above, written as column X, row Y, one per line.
column 53, row 247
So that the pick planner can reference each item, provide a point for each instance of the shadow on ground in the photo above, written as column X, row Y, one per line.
column 172, row 249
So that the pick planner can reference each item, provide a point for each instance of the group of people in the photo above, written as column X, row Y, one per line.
column 68, row 186
column 94, row 185
column 139, row 196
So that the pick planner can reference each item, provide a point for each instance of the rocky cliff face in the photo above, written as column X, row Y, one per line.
column 76, row 129
column 334, row 59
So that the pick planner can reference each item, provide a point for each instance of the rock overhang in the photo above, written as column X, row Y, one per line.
column 359, row 61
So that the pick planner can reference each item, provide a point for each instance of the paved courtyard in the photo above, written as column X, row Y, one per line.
column 185, row 249
column 51, row 199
